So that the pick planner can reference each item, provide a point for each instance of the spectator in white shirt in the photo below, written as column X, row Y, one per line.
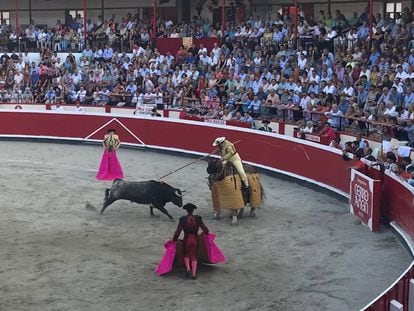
column 58, row 107
column 390, row 109
column 302, row 62
column 78, row 108
column 401, row 74
column 18, row 77
column 149, row 97
column 330, row 88
column 81, row 94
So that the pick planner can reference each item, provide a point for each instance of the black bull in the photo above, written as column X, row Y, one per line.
column 154, row 193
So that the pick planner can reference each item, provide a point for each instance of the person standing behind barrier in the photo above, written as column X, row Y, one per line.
column 190, row 224
column 229, row 153
column 110, row 168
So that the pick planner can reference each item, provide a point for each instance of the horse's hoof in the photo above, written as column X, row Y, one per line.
column 234, row 221
column 215, row 216
column 252, row 214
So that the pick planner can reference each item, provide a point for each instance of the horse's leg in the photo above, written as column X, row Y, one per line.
column 252, row 212
column 216, row 214
column 234, row 217
column 241, row 213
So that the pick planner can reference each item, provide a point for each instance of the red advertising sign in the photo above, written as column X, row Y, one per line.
column 365, row 199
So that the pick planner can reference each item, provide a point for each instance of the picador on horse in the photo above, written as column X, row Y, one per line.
column 229, row 182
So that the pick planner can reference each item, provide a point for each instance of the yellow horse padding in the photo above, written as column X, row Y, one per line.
column 227, row 193
column 214, row 199
column 255, row 190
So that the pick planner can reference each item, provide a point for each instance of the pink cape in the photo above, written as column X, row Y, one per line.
column 167, row 261
column 215, row 255
column 110, row 168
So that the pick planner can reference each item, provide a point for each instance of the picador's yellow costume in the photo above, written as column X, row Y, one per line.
column 229, row 153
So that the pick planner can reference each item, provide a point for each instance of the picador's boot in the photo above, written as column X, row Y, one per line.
column 246, row 194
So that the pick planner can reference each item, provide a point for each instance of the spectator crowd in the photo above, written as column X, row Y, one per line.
column 328, row 71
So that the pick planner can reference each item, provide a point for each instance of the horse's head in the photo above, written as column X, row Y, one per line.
column 214, row 166
column 214, row 171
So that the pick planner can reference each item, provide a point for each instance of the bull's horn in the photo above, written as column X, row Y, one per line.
column 178, row 194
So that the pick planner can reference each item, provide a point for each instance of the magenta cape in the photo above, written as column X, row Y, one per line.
column 167, row 261
column 214, row 254
column 110, row 168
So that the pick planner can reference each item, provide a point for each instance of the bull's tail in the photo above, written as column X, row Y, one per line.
column 107, row 192
column 105, row 203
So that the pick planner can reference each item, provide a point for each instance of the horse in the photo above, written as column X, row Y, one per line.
column 217, row 171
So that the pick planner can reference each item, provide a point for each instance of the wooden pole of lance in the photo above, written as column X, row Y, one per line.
column 192, row 162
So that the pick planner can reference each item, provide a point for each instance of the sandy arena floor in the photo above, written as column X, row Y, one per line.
column 303, row 251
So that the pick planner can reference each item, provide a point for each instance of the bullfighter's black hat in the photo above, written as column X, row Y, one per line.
column 189, row 206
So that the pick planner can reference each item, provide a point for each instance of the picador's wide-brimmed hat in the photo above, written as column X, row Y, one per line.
column 189, row 206
column 218, row 141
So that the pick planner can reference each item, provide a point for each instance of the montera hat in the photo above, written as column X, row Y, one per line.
column 189, row 206
column 218, row 141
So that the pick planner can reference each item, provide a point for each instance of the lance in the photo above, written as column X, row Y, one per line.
column 192, row 162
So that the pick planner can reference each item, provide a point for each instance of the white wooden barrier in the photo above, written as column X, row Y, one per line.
column 396, row 306
column 411, row 296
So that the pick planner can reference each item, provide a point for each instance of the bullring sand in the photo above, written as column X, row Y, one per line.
column 303, row 252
